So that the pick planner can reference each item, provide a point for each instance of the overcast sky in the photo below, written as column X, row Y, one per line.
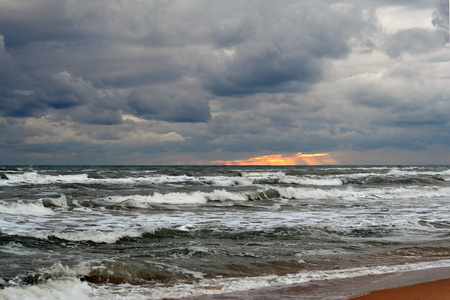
column 197, row 81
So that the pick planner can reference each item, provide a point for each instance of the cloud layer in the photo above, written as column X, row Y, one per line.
column 193, row 81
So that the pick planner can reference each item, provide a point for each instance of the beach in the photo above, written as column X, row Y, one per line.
column 431, row 289
column 435, row 290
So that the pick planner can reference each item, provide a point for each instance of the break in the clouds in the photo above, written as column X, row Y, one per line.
column 179, row 82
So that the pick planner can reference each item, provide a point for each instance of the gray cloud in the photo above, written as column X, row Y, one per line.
column 169, row 107
column 31, row 22
column 415, row 41
column 441, row 15
column 149, row 77
column 421, row 40
column 288, row 50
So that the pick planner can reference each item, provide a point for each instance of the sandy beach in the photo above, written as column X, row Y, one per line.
column 434, row 290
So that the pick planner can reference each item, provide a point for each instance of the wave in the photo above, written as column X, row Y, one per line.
column 262, row 174
column 350, row 193
column 95, row 236
column 276, row 193
column 282, row 177
column 59, row 289
column 55, row 202
column 228, row 285
column 312, row 181
column 34, row 177
column 45, row 206
column 64, row 282
column 42, row 207
column 227, row 181
column 26, row 208
column 317, row 177
column 13, row 248
column 177, row 198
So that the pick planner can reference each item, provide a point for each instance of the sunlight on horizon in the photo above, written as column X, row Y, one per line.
column 280, row 160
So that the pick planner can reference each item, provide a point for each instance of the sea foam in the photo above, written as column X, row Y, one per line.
column 59, row 289
column 37, row 178
column 176, row 198
column 96, row 236
column 25, row 208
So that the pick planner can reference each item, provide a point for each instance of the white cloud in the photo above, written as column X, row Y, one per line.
column 396, row 17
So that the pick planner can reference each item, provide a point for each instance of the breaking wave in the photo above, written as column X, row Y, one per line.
column 63, row 282
column 95, row 236
column 298, row 193
column 25, row 208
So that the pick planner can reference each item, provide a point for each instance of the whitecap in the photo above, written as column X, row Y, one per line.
column 176, row 198
column 14, row 248
column 34, row 177
column 96, row 236
column 25, row 208
column 59, row 289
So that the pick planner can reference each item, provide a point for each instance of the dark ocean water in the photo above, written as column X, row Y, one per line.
column 150, row 232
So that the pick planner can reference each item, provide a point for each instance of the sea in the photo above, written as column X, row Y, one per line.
column 171, row 232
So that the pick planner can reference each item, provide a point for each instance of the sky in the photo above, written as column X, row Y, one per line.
column 308, row 82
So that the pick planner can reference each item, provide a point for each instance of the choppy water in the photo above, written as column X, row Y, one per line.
column 157, row 232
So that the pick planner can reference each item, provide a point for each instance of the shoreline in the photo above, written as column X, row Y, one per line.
column 357, row 288
column 411, row 284
column 431, row 290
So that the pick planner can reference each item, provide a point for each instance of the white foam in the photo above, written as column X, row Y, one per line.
column 262, row 174
column 25, row 208
column 246, row 177
column 312, row 181
column 292, row 179
column 415, row 172
column 34, row 177
column 290, row 192
column 17, row 249
column 228, row 181
column 177, row 198
column 96, row 236
column 59, row 289
column 372, row 193
column 37, row 178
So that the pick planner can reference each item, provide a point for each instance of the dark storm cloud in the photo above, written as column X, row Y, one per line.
column 288, row 50
column 137, row 78
column 15, row 99
column 99, row 44
column 171, row 108
column 112, row 77
column 71, row 97
column 264, row 72
column 26, row 22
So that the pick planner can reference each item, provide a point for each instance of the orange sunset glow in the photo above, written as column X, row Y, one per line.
column 280, row 160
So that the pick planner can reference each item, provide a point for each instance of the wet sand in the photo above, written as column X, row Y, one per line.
column 434, row 290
